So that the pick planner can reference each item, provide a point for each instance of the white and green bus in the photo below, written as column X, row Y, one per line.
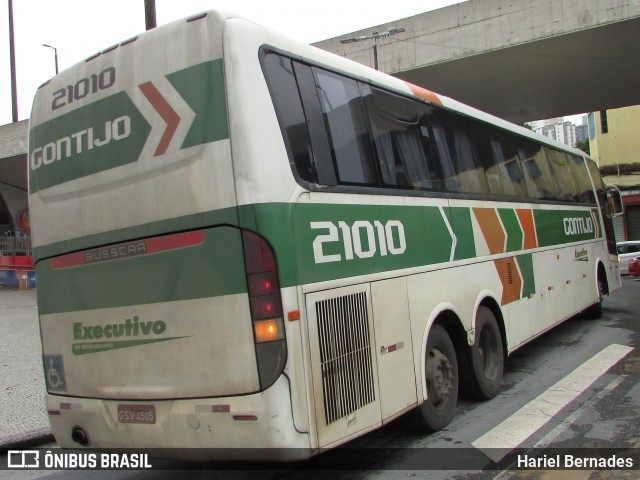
column 244, row 243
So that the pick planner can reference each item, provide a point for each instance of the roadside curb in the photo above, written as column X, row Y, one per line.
column 30, row 439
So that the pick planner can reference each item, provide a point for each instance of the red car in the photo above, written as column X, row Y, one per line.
column 634, row 267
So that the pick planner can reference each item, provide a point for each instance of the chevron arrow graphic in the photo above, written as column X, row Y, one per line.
column 168, row 114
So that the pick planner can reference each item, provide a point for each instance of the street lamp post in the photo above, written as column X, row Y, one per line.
column 12, row 60
column 374, row 36
column 55, row 51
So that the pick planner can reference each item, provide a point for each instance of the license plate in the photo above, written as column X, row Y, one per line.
column 137, row 414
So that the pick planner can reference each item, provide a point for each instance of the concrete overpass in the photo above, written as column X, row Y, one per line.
column 521, row 60
column 13, row 154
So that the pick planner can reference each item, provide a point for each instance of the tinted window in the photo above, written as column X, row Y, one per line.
column 585, row 190
column 504, row 171
column 562, row 175
column 605, row 210
column 346, row 126
column 402, row 142
column 456, row 146
column 595, row 175
column 337, row 130
column 536, row 170
column 280, row 77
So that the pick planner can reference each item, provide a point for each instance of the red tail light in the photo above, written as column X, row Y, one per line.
column 265, row 283
column 266, row 307
column 258, row 255
column 262, row 277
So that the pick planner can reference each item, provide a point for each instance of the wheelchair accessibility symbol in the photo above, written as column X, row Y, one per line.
column 54, row 370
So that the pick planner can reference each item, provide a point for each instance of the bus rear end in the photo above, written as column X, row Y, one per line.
column 161, row 318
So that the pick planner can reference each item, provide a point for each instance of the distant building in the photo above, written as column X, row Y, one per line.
column 556, row 129
column 566, row 133
column 547, row 131
column 615, row 144
column 582, row 133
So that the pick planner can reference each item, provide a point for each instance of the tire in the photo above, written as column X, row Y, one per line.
column 485, row 361
column 441, row 368
column 594, row 312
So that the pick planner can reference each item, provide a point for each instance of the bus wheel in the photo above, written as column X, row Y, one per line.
column 442, row 382
column 595, row 311
column 486, row 360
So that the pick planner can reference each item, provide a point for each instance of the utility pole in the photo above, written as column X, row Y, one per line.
column 150, row 14
column 12, row 60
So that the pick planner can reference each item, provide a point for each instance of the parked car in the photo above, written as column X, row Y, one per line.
column 627, row 251
column 634, row 267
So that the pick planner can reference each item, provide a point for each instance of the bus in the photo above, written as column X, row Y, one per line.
column 246, row 245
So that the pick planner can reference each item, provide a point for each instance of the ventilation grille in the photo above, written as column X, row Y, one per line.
column 510, row 272
column 345, row 355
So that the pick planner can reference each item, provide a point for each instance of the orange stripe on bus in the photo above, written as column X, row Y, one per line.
column 425, row 94
column 510, row 279
column 167, row 113
column 528, row 228
column 491, row 228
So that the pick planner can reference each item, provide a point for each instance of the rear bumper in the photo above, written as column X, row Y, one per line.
column 250, row 427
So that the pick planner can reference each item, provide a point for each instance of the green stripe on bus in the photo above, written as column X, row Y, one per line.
column 214, row 268
column 557, row 227
column 105, row 134
column 460, row 220
column 525, row 264
column 513, row 229
column 202, row 87
column 370, row 239
column 313, row 243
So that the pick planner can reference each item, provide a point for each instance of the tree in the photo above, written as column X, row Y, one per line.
column 584, row 146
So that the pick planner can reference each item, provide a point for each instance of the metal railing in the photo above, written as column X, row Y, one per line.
column 14, row 246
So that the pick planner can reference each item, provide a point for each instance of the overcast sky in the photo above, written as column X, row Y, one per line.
column 79, row 28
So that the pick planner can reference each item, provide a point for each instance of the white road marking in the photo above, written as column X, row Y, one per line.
column 565, row 425
column 514, row 430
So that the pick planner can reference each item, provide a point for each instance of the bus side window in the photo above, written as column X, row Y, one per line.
column 459, row 159
column 585, row 191
column 562, row 175
column 446, row 157
column 346, row 127
column 536, row 170
column 605, row 209
column 402, row 141
column 471, row 176
column 278, row 71
column 503, row 168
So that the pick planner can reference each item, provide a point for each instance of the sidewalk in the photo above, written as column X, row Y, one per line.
column 23, row 416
